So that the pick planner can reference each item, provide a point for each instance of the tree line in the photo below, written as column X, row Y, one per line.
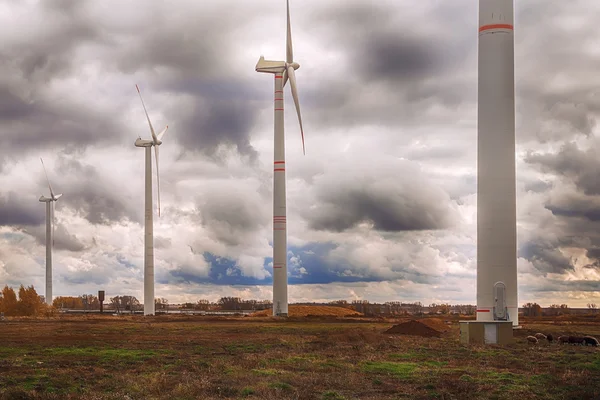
column 25, row 302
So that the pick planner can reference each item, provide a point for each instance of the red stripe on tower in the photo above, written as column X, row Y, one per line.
column 495, row 26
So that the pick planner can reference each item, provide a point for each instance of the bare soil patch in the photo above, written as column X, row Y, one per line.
column 309, row 311
column 426, row 327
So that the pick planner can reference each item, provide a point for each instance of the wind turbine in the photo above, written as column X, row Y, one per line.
column 283, row 70
column 49, row 235
column 148, row 226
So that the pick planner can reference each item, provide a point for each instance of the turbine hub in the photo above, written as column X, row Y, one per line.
column 295, row 65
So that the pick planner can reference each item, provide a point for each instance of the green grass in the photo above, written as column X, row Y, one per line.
column 104, row 354
column 401, row 370
column 281, row 385
column 331, row 395
column 268, row 371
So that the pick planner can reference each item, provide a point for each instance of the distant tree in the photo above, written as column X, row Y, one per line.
column 416, row 308
column 532, row 310
column 466, row 309
column 68, row 302
column 553, row 310
column 161, row 303
column 444, row 309
column 90, row 302
column 339, row 303
column 362, row 306
column 202, row 304
column 592, row 306
column 9, row 301
column 229, row 303
column 29, row 301
column 125, row 303
column 565, row 310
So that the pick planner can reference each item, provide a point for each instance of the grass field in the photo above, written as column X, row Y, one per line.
column 260, row 358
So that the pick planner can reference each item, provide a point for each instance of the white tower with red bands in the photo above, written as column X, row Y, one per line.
column 283, row 71
column 496, row 175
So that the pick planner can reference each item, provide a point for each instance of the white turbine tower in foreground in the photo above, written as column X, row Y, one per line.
column 283, row 70
column 496, row 187
column 49, row 235
column 148, row 227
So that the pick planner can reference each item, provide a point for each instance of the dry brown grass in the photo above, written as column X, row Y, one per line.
column 194, row 357
column 308, row 311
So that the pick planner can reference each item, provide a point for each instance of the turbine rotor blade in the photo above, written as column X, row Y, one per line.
column 157, row 178
column 292, row 76
column 162, row 133
column 48, row 180
column 53, row 219
column 289, row 50
column 285, row 77
column 147, row 117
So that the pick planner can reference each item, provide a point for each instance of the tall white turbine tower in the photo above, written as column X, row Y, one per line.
column 496, row 175
column 283, row 70
column 49, row 235
column 148, row 226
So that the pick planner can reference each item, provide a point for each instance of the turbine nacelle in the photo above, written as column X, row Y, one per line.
column 52, row 197
column 286, row 68
column 156, row 141
column 144, row 143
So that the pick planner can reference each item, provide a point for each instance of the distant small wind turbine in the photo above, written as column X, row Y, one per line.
column 148, row 226
column 283, row 71
column 49, row 235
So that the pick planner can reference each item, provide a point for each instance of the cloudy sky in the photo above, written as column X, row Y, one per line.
column 383, row 205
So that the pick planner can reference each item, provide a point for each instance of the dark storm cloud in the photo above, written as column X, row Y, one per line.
column 91, row 196
column 401, row 65
column 538, row 186
column 386, row 211
column 37, row 112
column 388, row 57
column 232, row 214
column 190, row 42
column 63, row 240
column 594, row 253
column 581, row 167
column 16, row 210
column 554, row 98
column 195, row 51
column 391, row 203
column 590, row 213
column 545, row 257
column 573, row 224
column 208, row 125
column 98, row 205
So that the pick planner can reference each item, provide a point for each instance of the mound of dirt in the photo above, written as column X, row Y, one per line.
column 306, row 311
column 427, row 327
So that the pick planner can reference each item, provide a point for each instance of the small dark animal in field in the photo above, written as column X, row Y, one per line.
column 540, row 336
column 532, row 339
column 550, row 337
column 563, row 339
column 576, row 340
column 591, row 341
